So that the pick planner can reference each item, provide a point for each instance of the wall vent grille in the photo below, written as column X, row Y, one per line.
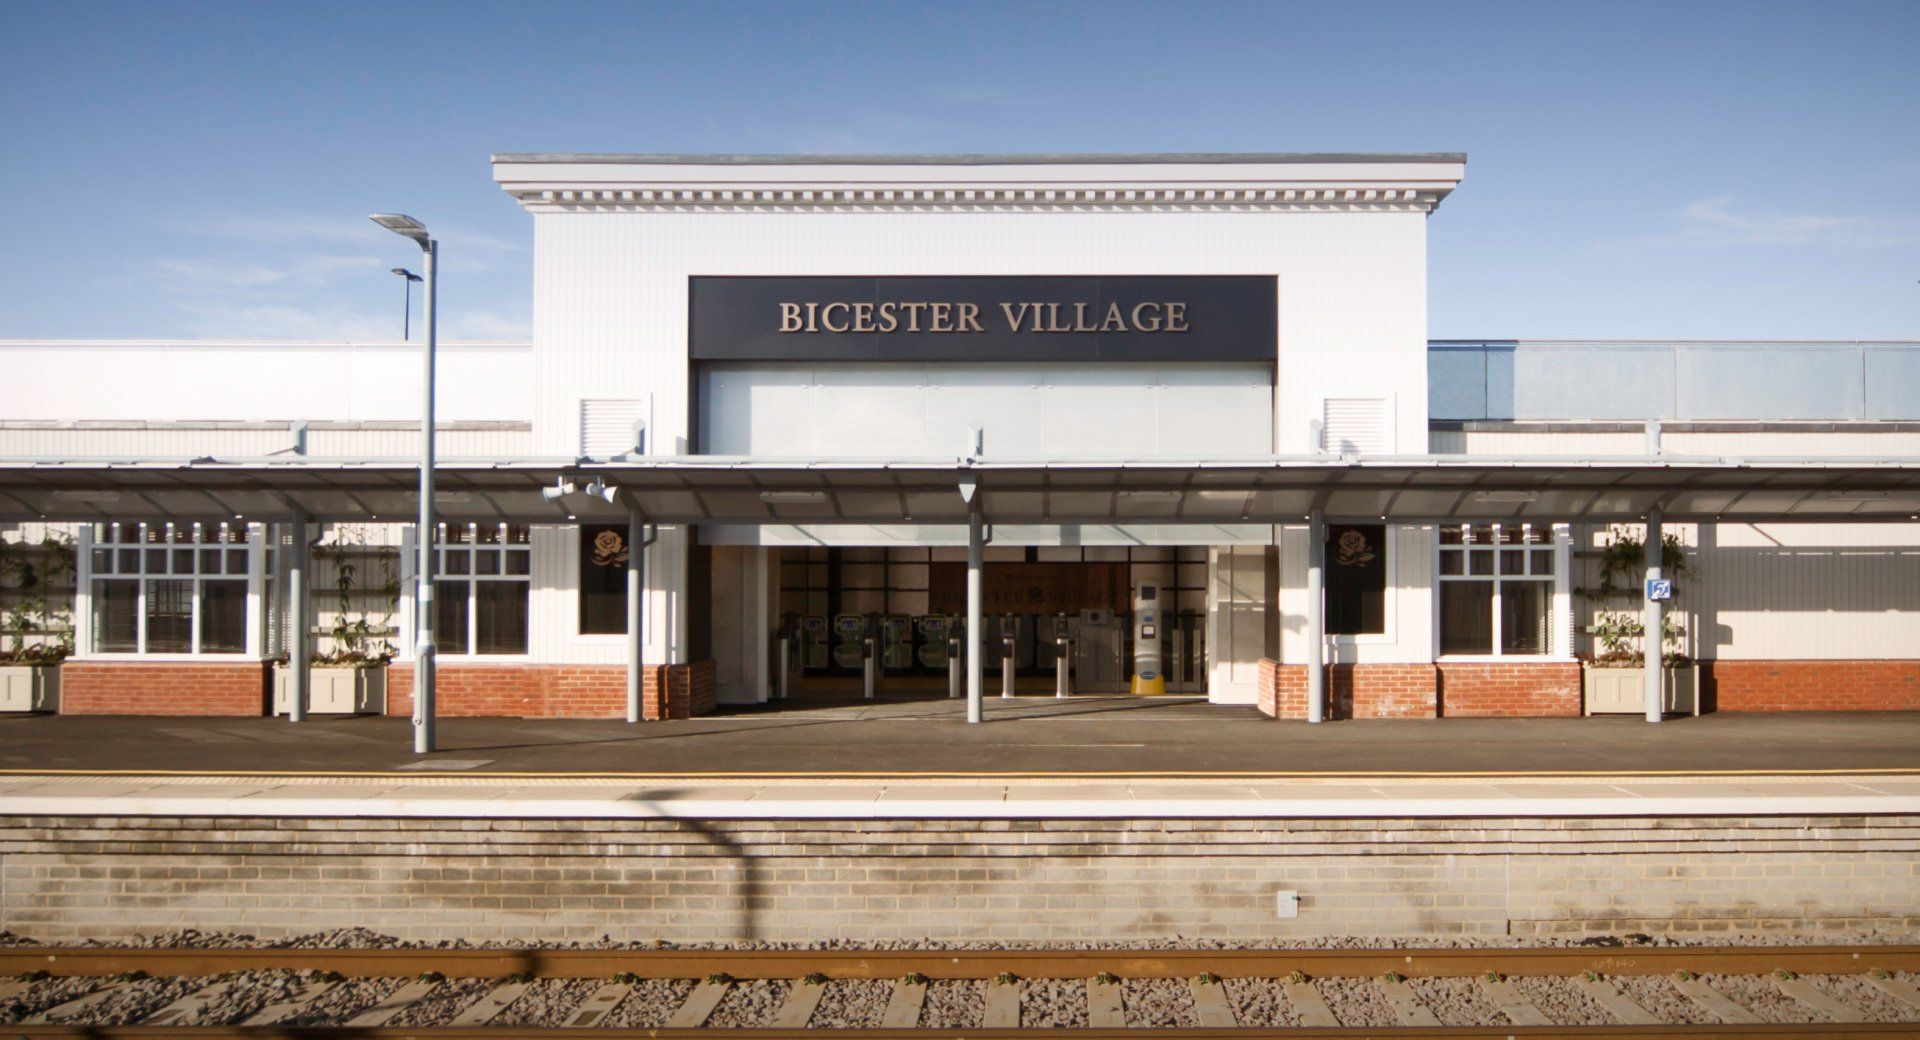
column 606, row 425
column 1362, row 425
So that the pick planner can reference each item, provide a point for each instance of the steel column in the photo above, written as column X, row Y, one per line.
column 299, row 623
column 636, row 593
column 1316, row 617
column 423, row 648
column 1652, row 643
column 976, row 554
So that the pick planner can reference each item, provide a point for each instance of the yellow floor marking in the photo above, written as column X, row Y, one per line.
column 382, row 1013
column 906, row 774
column 1306, row 1002
column 1406, row 1004
column 692, row 1012
column 490, row 1004
column 1618, row 1004
column 903, row 1006
column 797, row 1010
column 1514, row 1004
column 1210, row 1003
column 1003, row 1006
column 596, row 1006
column 1814, row 997
column 1103, row 1005
column 1721, row 1006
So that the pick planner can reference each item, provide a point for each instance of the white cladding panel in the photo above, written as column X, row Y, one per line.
column 159, row 381
column 1408, row 638
column 1059, row 411
column 611, row 291
column 1805, row 591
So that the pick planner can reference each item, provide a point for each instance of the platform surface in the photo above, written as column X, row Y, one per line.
column 1037, row 758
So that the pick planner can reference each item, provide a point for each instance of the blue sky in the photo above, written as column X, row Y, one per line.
column 1710, row 170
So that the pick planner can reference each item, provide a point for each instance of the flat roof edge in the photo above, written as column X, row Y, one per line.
column 984, row 159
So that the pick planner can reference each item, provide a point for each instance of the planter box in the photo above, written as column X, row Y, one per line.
column 1623, row 691
column 335, row 691
column 29, row 687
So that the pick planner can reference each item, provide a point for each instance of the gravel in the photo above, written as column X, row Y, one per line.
column 442, row 1003
column 750, row 1003
column 547, row 1002
column 1559, row 999
column 1357, row 1002
column 344, row 1001
column 954, row 1004
column 1658, row 995
column 1158, row 1003
column 852, row 1004
column 1053, row 1003
column 1760, row 996
column 1458, row 1001
column 650, row 1004
column 133, row 1001
column 1870, row 999
column 1260, row 1003
column 45, row 994
column 250, row 991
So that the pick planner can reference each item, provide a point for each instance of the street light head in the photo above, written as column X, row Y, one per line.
column 401, row 224
column 404, row 273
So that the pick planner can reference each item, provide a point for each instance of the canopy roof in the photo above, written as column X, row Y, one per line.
column 758, row 490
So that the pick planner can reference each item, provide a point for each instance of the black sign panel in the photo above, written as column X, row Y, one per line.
column 1356, row 579
column 1036, row 318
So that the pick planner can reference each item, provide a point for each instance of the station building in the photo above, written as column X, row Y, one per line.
column 1182, row 407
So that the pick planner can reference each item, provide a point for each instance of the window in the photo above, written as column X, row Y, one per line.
column 169, row 588
column 1497, row 589
column 1356, row 579
column 482, row 586
column 603, row 580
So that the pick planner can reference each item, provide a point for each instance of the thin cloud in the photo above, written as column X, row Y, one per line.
column 1721, row 221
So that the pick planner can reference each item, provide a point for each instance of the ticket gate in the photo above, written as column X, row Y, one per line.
column 1187, row 652
column 1099, row 650
column 930, row 649
column 813, row 641
column 896, row 642
column 849, row 641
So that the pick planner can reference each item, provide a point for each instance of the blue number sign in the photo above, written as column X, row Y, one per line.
column 1660, row 588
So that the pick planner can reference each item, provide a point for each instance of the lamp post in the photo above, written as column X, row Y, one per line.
column 406, row 302
column 401, row 224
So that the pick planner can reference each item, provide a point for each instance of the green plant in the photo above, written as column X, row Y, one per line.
column 357, row 635
column 1619, row 629
column 37, row 628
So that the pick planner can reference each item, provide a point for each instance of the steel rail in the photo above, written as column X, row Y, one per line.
column 963, row 964
column 1663, row 1032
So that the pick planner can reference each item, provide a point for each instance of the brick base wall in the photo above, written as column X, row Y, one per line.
column 164, row 688
column 1811, row 685
column 1354, row 691
column 570, row 691
column 65, row 879
column 1530, row 690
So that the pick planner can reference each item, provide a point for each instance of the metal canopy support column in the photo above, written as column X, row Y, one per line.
column 299, row 624
column 976, row 553
column 636, row 634
column 1316, row 617
column 1653, row 642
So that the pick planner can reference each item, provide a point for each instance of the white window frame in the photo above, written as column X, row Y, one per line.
column 442, row 580
column 1560, row 648
column 85, row 544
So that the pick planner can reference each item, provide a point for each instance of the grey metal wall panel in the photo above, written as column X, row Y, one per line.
column 1893, row 383
column 1457, row 382
column 1785, row 382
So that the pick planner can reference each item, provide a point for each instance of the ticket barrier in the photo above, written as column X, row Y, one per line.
column 1187, row 661
column 1099, row 650
column 788, row 644
column 813, row 641
column 869, row 666
column 849, row 641
column 1009, row 652
column 932, row 650
column 896, row 642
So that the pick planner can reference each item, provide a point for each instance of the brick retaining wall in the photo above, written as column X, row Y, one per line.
column 1525, row 689
column 575, row 691
column 1811, row 685
column 164, row 688
column 68, row 879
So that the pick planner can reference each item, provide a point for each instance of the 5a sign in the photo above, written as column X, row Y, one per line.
column 1659, row 589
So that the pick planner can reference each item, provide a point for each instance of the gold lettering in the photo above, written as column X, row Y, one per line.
column 790, row 317
column 1014, row 317
column 1114, row 321
column 1176, row 317
column 1146, row 317
column 863, row 317
column 1080, row 318
column 942, row 317
column 888, row 319
column 812, row 314
column 826, row 317
column 1053, row 319
column 970, row 317
column 913, row 315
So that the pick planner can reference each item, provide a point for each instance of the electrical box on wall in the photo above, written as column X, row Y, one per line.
column 1286, row 904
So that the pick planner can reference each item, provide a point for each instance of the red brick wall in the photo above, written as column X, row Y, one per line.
column 573, row 691
column 163, row 688
column 1534, row 689
column 1354, row 691
column 1811, row 685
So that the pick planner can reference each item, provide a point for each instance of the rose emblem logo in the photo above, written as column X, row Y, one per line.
column 609, row 548
column 1353, row 549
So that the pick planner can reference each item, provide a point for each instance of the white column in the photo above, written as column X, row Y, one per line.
column 1653, row 646
column 299, row 628
column 636, row 588
column 976, row 553
column 1316, row 618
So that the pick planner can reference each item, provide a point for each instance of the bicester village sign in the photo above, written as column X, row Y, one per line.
column 984, row 318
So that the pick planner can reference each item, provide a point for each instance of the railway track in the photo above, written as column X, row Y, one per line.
column 1623, row 992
